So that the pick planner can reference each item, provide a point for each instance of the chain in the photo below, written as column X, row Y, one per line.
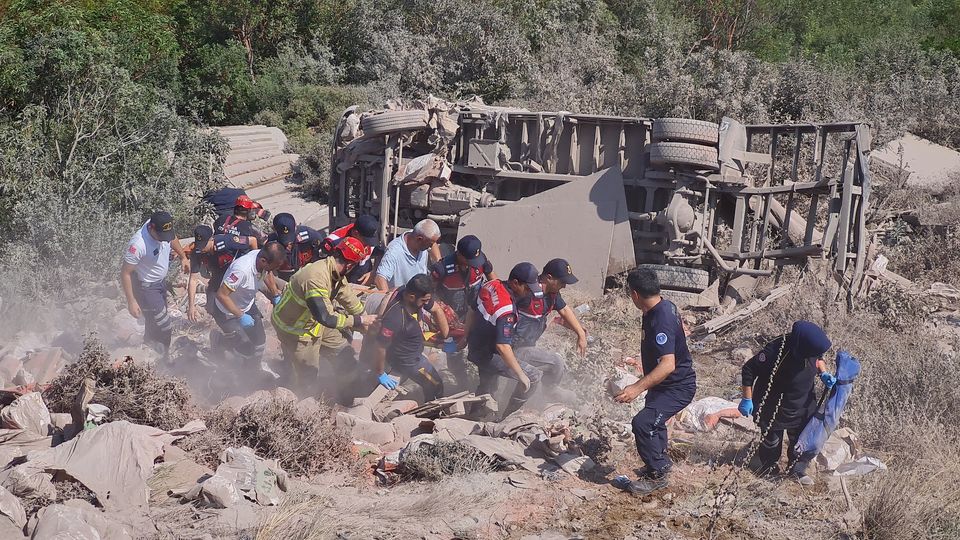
column 726, row 489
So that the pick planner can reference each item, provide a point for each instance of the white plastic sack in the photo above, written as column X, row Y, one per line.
column 11, row 509
column 260, row 480
column 694, row 416
column 27, row 412
column 216, row 492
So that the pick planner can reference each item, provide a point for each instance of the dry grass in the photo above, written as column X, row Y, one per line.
column 435, row 461
column 133, row 391
column 304, row 444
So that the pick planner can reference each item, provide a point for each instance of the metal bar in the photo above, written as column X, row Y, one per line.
column 735, row 270
column 384, row 191
column 796, row 155
column 864, row 175
column 786, row 253
column 574, row 148
column 843, row 232
column 739, row 216
column 820, row 148
column 596, row 149
column 811, row 218
column 786, row 221
column 773, row 156
column 766, row 222
column 622, row 147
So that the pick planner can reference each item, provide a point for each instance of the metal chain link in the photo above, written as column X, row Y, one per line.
column 726, row 488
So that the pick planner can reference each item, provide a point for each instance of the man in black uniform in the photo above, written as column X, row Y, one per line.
column 210, row 258
column 400, row 339
column 365, row 229
column 224, row 200
column 668, row 379
column 797, row 359
column 303, row 243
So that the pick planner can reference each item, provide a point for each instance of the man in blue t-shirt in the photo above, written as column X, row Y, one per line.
column 668, row 379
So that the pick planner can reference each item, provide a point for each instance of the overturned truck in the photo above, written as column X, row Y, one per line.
column 696, row 200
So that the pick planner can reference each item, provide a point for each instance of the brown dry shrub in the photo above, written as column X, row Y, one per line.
column 435, row 461
column 304, row 444
column 133, row 391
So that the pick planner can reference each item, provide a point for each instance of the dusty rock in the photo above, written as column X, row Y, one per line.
column 366, row 430
column 620, row 380
column 740, row 355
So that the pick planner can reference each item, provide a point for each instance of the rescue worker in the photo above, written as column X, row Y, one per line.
column 532, row 319
column 365, row 229
column 145, row 266
column 302, row 243
column 797, row 358
column 237, row 314
column 399, row 341
column 240, row 223
column 458, row 278
column 223, row 201
column 490, row 340
column 668, row 378
column 306, row 320
column 210, row 257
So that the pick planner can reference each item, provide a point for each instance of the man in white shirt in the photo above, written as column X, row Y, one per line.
column 408, row 255
column 236, row 308
column 145, row 266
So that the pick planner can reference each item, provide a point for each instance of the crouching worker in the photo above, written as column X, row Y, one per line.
column 399, row 342
column 668, row 379
column 308, row 323
column 781, row 380
column 237, row 314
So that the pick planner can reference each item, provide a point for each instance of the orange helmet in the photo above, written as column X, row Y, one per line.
column 352, row 249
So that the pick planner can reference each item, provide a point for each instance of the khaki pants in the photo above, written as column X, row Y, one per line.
column 307, row 375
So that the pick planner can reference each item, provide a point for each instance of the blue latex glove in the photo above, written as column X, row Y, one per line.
column 746, row 407
column 828, row 379
column 246, row 321
column 449, row 346
column 276, row 299
column 387, row 381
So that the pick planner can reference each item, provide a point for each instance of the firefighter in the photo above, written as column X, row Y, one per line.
column 240, row 223
column 303, row 243
column 209, row 258
column 668, row 379
column 306, row 317
column 786, row 398
column 145, row 266
column 236, row 310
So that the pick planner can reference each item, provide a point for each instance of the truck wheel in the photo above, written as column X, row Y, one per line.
column 693, row 156
column 393, row 121
column 680, row 278
column 685, row 130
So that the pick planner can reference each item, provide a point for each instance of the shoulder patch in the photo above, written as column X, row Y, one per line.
column 761, row 357
column 661, row 338
column 132, row 249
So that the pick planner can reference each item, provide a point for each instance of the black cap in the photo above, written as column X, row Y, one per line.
column 163, row 225
column 368, row 227
column 560, row 269
column 527, row 273
column 201, row 234
column 469, row 248
column 286, row 227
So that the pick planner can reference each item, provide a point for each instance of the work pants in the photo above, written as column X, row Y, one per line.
column 248, row 343
column 771, row 447
column 496, row 367
column 650, row 425
column 158, row 327
column 550, row 364
column 424, row 374
column 324, row 365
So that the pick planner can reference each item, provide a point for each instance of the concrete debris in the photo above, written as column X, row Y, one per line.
column 619, row 381
column 574, row 464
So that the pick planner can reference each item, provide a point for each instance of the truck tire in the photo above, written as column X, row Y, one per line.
column 685, row 130
column 680, row 278
column 392, row 122
column 694, row 156
column 681, row 299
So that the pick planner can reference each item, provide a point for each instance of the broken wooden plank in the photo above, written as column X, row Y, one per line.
column 723, row 321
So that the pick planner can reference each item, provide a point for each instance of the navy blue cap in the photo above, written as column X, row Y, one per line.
column 368, row 227
column 201, row 234
column 560, row 269
column 286, row 227
column 163, row 225
column 469, row 248
column 527, row 273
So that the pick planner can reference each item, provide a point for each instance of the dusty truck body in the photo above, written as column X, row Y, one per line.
column 702, row 200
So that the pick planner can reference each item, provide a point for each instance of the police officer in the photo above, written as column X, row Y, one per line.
column 209, row 258
column 240, row 223
column 237, row 314
column 533, row 316
column 308, row 322
column 145, row 266
column 400, row 338
column 303, row 243
column 365, row 229
column 668, row 378
column 490, row 340
column 786, row 397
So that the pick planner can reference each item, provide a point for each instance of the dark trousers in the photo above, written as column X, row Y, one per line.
column 424, row 374
column 158, row 327
column 771, row 447
column 249, row 343
column 650, row 425
column 496, row 367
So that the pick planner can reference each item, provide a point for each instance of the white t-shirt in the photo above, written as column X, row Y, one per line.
column 399, row 265
column 151, row 257
column 243, row 279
